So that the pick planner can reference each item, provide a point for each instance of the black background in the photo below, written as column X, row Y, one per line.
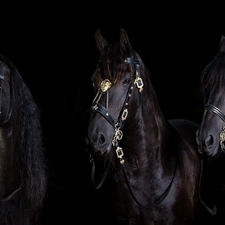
column 53, row 47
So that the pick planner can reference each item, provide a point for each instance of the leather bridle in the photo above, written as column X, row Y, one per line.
column 96, row 107
column 219, row 113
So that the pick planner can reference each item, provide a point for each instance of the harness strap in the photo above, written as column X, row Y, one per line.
column 130, row 60
column 215, row 110
column 162, row 197
column 103, row 177
column 211, row 211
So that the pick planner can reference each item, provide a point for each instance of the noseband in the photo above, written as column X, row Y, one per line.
column 219, row 113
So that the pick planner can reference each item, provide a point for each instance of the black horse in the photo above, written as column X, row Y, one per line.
column 211, row 134
column 150, row 166
column 23, row 177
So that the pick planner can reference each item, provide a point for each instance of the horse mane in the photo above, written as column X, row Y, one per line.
column 213, row 75
column 32, row 162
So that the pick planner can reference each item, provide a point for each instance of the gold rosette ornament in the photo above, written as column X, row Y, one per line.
column 105, row 85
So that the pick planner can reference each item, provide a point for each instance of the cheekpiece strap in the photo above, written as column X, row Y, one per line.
column 138, row 81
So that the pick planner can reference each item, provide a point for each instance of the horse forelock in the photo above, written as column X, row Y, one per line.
column 213, row 75
column 111, row 65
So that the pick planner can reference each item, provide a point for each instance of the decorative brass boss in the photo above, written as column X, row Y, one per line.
column 105, row 85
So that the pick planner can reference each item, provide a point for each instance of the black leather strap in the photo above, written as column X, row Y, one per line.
column 104, row 112
column 215, row 110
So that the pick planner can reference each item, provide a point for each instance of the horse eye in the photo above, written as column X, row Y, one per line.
column 126, row 81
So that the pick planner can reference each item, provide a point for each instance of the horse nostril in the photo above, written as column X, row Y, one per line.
column 101, row 139
column 208, row 141
column 197, row 137
column 197, row 140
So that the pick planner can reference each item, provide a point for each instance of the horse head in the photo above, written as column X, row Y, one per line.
column 211, row 133
column 116, row 76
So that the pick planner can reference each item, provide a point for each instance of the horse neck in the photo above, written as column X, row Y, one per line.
column 148, row 132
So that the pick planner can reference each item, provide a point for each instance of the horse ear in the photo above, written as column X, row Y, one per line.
column 101, row 43
column 222, row 44
column 124, row 41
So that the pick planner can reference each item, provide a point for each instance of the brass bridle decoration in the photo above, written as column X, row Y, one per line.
column 222, row 139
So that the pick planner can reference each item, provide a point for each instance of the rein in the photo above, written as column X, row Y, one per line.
column 211, row 211
column 219, row 113
column 162, row 197
column 8, row 197
column 96, row 107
